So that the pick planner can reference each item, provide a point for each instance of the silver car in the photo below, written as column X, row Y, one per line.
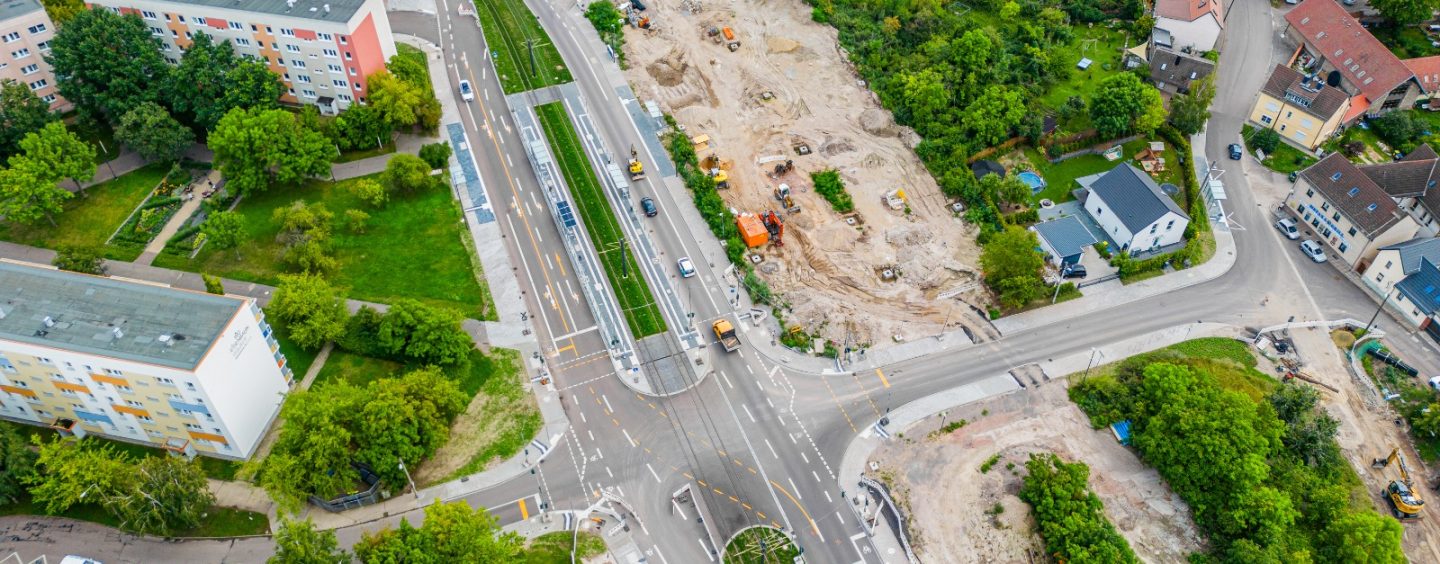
column 1312, row 249
column 1288, row 229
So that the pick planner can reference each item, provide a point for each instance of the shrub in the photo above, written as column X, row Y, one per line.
column 77, row 258
column 829, row 186
column 437, row 155
column 1266, row 140
column 1071, row 517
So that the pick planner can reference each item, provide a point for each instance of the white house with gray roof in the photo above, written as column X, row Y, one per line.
column 1132, row 209
column 186, row 371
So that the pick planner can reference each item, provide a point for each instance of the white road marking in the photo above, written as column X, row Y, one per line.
column 727, row 380
column 827, row 496
column 652, row 472
column 747, row 412
column 661, row 555
column 582, row 417
column 840, row 517
column 806, row 458
column 627, row 438
column 772, row 449
column 817, row 477
column 599, row 454
column 609, row 473
column 608, row 409
column 592, row 434
column 794, row 488
column 705, row 549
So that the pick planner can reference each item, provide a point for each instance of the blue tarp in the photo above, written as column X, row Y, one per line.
column 1121, row 431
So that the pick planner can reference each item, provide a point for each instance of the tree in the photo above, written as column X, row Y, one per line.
column 1266, row 140
column 17, row 463
column 371, row 192
column 451, row 532
column 925, row 96
column 313, row 310
column 1011, row 189
column 1012, row 266
column 54, row 153
column 151, row 132
column 992, row 116
column 21, row 113
column 356, row 220
column 168, row 494
column 79, row 258
column 1362, row 536
column 437, row 155
column 426, row 334
column 399, row 101
column 1189, row 111
column 26, row 197
column 257, row 147
column 360, row 127
column 61, row 11
column 251, row 85
column 1123, row 104
column 299, row 542
column 1406, row 12
column 1398, row 129
column 405, row 420
column 312, row 452
column 197, row 86
column 1428, row 422
column 605, row 18
column 106, row 63
column 213, row 284
column 1071, row 517
column 305, row 231
column 407, row 174
column 71, row 471
column 225, row 230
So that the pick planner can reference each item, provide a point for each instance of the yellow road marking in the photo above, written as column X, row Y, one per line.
column 836, row 399
column 561, row 263
column 524, row 513
column 569, row 347
column 883, row 381
column 797, row 504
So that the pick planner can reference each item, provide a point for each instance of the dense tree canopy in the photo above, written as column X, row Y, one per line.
column 1190, row 111
column 21, row 113
column 17, row 463
column 106, row 63
column 426, row 334
column 259, row 147
column 54, row 153
column 151, row 132
column 299, row 542
column 312, row 309
column 1071, row 517
column 212, row 79
column 1124, row 105
column 1012, row 266
column 1405, row 12
column 451, row 532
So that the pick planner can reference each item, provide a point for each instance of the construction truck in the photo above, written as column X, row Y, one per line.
column 721, row 178
column 637, row 170
column 1405, row 502
column 782, row 195
column 775, row 227
column 725, row 333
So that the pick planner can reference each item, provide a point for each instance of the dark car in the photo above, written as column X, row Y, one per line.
column 1235, row 151
column 1074, row 271
column 649, row 206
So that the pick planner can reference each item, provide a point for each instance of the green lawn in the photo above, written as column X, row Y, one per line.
column 633, row 292
column 1231, row 361
column 357, row 154
column 509, row 29
column 1102, row 46
column 356, row 370
column 383, row 264
column 554, row 548
column 218, row 522
column 747, row 548
column 88, row 220
column 1287, row 159
column 1060, row 177
column 1406, row 41
column 508, row 419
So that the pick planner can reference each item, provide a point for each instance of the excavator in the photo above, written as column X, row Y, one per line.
column 1405, row 502
column 637, row 170
column 775, row 226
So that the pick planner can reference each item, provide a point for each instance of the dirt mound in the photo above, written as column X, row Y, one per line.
column 878, row 122
column 669, row 70
column 776, row 44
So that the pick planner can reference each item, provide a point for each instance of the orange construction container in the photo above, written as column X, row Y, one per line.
column 752, row 231
column 729, row 34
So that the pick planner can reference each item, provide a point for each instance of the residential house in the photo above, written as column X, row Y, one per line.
column 323, row 50
column 1331, row 44
column 1411, row 182
column 1189, row 24
column 191, row 372
column 1063, row 240
column 1417, row 297
column 25, row 34
column 1427, row 74
column 1173, row 72
column 1354, row 216
column 1132, row 210
column 1394, row 262
column 1302, row 109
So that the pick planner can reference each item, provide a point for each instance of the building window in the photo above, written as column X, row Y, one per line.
column 347, row 56
column 157, row 32
column 1169, row 226
column 1343, row 246
column 341, row 83
column 292, row 48
column 1352, row 231
column 325, row 37
column 1265, row 120
column 1310, row 192
column 287, row 32
column 1371, row 207
column 331, row 53
column 200, row 21
column 147, row 14
column 165, row 381
column 22, row 53
column 236, row 25
column 43, row 45
column 12, row 37
column 194, row 427
column 39, row 84
column 48, row 98
column 1380, row 278
column 344, row 97
column 352, row 71
column 1335, row 216
column 297, row 63
column 308, row 93
column 167, row 17
column 305, row 78
column 30, row 69
column 344, row 40
column 174, row 33
column 243, row 42
column 335, row 68
column 133, row 403
column 1353, row 191
column 37, row 28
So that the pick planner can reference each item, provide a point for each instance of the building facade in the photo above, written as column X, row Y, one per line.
column 323, row 50
column 185, row 371
column 1303, row 110
column 1331, row 44
column 1132, row 209
column 1353, row 215
column 1190, row 25
column 25, row 34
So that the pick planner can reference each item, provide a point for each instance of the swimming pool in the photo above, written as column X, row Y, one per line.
column 1032, row 180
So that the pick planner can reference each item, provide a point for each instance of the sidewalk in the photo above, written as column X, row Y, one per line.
column 409, row 144
column 178, row 220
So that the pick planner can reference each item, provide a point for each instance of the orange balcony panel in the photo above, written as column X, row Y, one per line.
column 131, row 410
column 113, row 381
column 77, row 388
column 208, row 437
column 27, row 392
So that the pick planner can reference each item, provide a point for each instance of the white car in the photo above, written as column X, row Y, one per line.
column 1312, row 249
column 687, row 268
column 466, row 92
column 1288, row 229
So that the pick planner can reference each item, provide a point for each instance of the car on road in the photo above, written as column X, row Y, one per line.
column 1073, row 271
column 466, row 92
column 1235, row 151
column 687, row 268
column 1288, row 229
column 648, row 205
column 1312, row 249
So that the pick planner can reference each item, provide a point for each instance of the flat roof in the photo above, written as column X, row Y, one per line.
column 15, row 8
column 85, row 313
column 339, row 10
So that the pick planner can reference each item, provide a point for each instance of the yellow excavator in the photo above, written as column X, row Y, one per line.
column 637, row 170
column 1405, row 502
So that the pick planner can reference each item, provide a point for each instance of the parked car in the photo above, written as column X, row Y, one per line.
column 1073, row 271
column 687, row 268
column 648, row 205
column 1236, row 151
column 1312, row 249
column 1287, row 228
column 466, row 92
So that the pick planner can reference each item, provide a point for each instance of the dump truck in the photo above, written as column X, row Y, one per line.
column 730, row 40
column 637, row 170
column 725, row 333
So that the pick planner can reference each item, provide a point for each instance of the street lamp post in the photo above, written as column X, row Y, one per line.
column 1378, row 309
column 413, row 489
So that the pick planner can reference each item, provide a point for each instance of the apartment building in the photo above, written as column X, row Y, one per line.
column 25, row 34
column 1302, row 109
column 322, row 49
column 1353, row 214
column 186, row 371
column 1330, row 43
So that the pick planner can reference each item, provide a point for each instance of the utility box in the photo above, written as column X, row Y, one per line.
column 752, row 230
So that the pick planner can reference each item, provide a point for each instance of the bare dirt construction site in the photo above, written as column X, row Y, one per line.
column 937, row 480
column 788, row 85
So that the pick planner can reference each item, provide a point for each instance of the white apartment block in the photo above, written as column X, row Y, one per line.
column 25, row 34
